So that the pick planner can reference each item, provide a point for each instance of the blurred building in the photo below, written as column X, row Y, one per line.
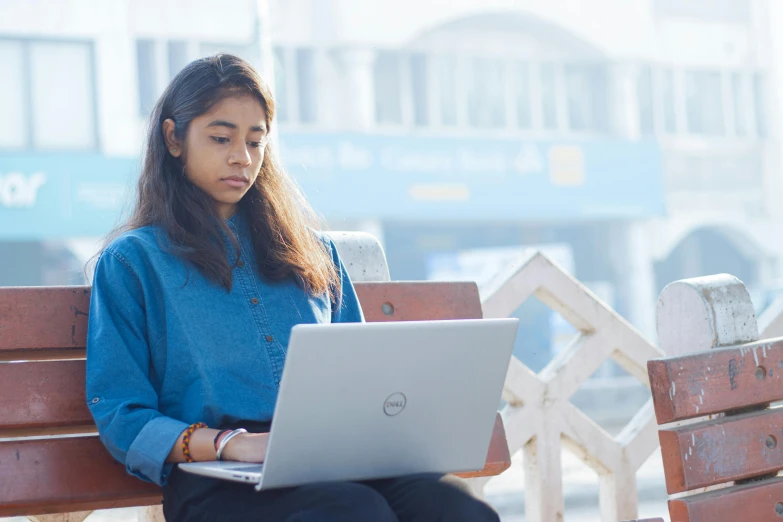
column 638, row 139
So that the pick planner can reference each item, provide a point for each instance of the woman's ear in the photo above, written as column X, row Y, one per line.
column 172, row 143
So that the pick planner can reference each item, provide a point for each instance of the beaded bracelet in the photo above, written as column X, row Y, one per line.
column 186, row 439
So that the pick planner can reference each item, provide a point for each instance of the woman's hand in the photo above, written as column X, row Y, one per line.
column 246, row 447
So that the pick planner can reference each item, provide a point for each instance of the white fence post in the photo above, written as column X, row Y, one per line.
column 540, row 418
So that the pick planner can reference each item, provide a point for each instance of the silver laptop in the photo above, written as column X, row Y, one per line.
column 363, row 401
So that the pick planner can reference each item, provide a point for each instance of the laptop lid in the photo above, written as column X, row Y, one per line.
column 371, row 400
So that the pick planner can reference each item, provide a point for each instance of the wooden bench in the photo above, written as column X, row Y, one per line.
column 43, row 395
column 721, row 465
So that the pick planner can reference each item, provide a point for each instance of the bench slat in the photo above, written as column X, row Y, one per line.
column 43, row 394
column 716, row 381
column 55, row 318
column 419, row 301
column 43, row 317
column 76, row 474
column 722, row 450
column 757, row 502
column 63, row 475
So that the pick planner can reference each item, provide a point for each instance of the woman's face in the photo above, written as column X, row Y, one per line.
column 223, row 149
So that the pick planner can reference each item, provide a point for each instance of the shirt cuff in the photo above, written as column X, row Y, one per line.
column 147, row 454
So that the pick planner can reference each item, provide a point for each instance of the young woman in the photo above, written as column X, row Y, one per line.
column 192, row 307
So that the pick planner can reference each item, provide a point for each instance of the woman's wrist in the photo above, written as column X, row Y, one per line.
column 224, row 439
column 246, row 447
column 200, row 446
column 233, row 450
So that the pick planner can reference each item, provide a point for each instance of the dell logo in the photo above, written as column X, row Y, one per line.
column 394, row 404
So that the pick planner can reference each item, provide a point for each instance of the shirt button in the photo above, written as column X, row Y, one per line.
column 96, row 400
column 240, row 263
column 254, row 301
column 269, row 338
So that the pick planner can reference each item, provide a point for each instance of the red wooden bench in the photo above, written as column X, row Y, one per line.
column 722, row 444
column 743, row 446
column 43, row 395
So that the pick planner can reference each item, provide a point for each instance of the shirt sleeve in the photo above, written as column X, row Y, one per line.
column 346, row 309
column 120, row 396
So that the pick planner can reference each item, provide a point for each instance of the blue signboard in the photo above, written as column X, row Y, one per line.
column 58, row 195
column 425, row 178
column 61, row 195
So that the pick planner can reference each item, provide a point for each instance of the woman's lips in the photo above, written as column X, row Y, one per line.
column 236, row 181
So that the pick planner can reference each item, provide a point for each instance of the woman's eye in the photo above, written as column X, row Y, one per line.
column 254, row 144
column 220, row 139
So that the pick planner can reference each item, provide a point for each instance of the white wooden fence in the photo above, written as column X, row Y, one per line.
column 540, row 419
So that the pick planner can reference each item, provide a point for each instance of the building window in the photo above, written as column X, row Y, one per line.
column 296, row 85
column 704, row 103
column 739, row 95
column 486, row 94
column 524, row 96
column 716, row 103
column 14, row 130
column 63, row 117
column 388, row 88
column 759, row 97
column 668, row 101
column 420, row 89
column 306, row 85
column 178, row 57
column 48, row 97
column 644, row 92
column 281, row 85
column 446, row 74
column 586, row 95
column 147, row 75
column 549, row 97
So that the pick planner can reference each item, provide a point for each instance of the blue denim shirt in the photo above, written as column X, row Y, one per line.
column 166, row 347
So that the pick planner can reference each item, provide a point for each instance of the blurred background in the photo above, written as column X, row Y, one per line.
column 634, row 142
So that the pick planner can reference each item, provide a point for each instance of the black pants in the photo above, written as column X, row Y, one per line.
column 420, row 498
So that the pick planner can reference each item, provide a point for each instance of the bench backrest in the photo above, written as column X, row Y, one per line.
column 743, row 444
column 722, row 444
column 42, row 394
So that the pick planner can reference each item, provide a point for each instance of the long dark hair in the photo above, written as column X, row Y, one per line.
column 281, row 222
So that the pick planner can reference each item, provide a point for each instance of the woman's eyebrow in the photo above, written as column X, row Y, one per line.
column 222, row 123
column 228, row 124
